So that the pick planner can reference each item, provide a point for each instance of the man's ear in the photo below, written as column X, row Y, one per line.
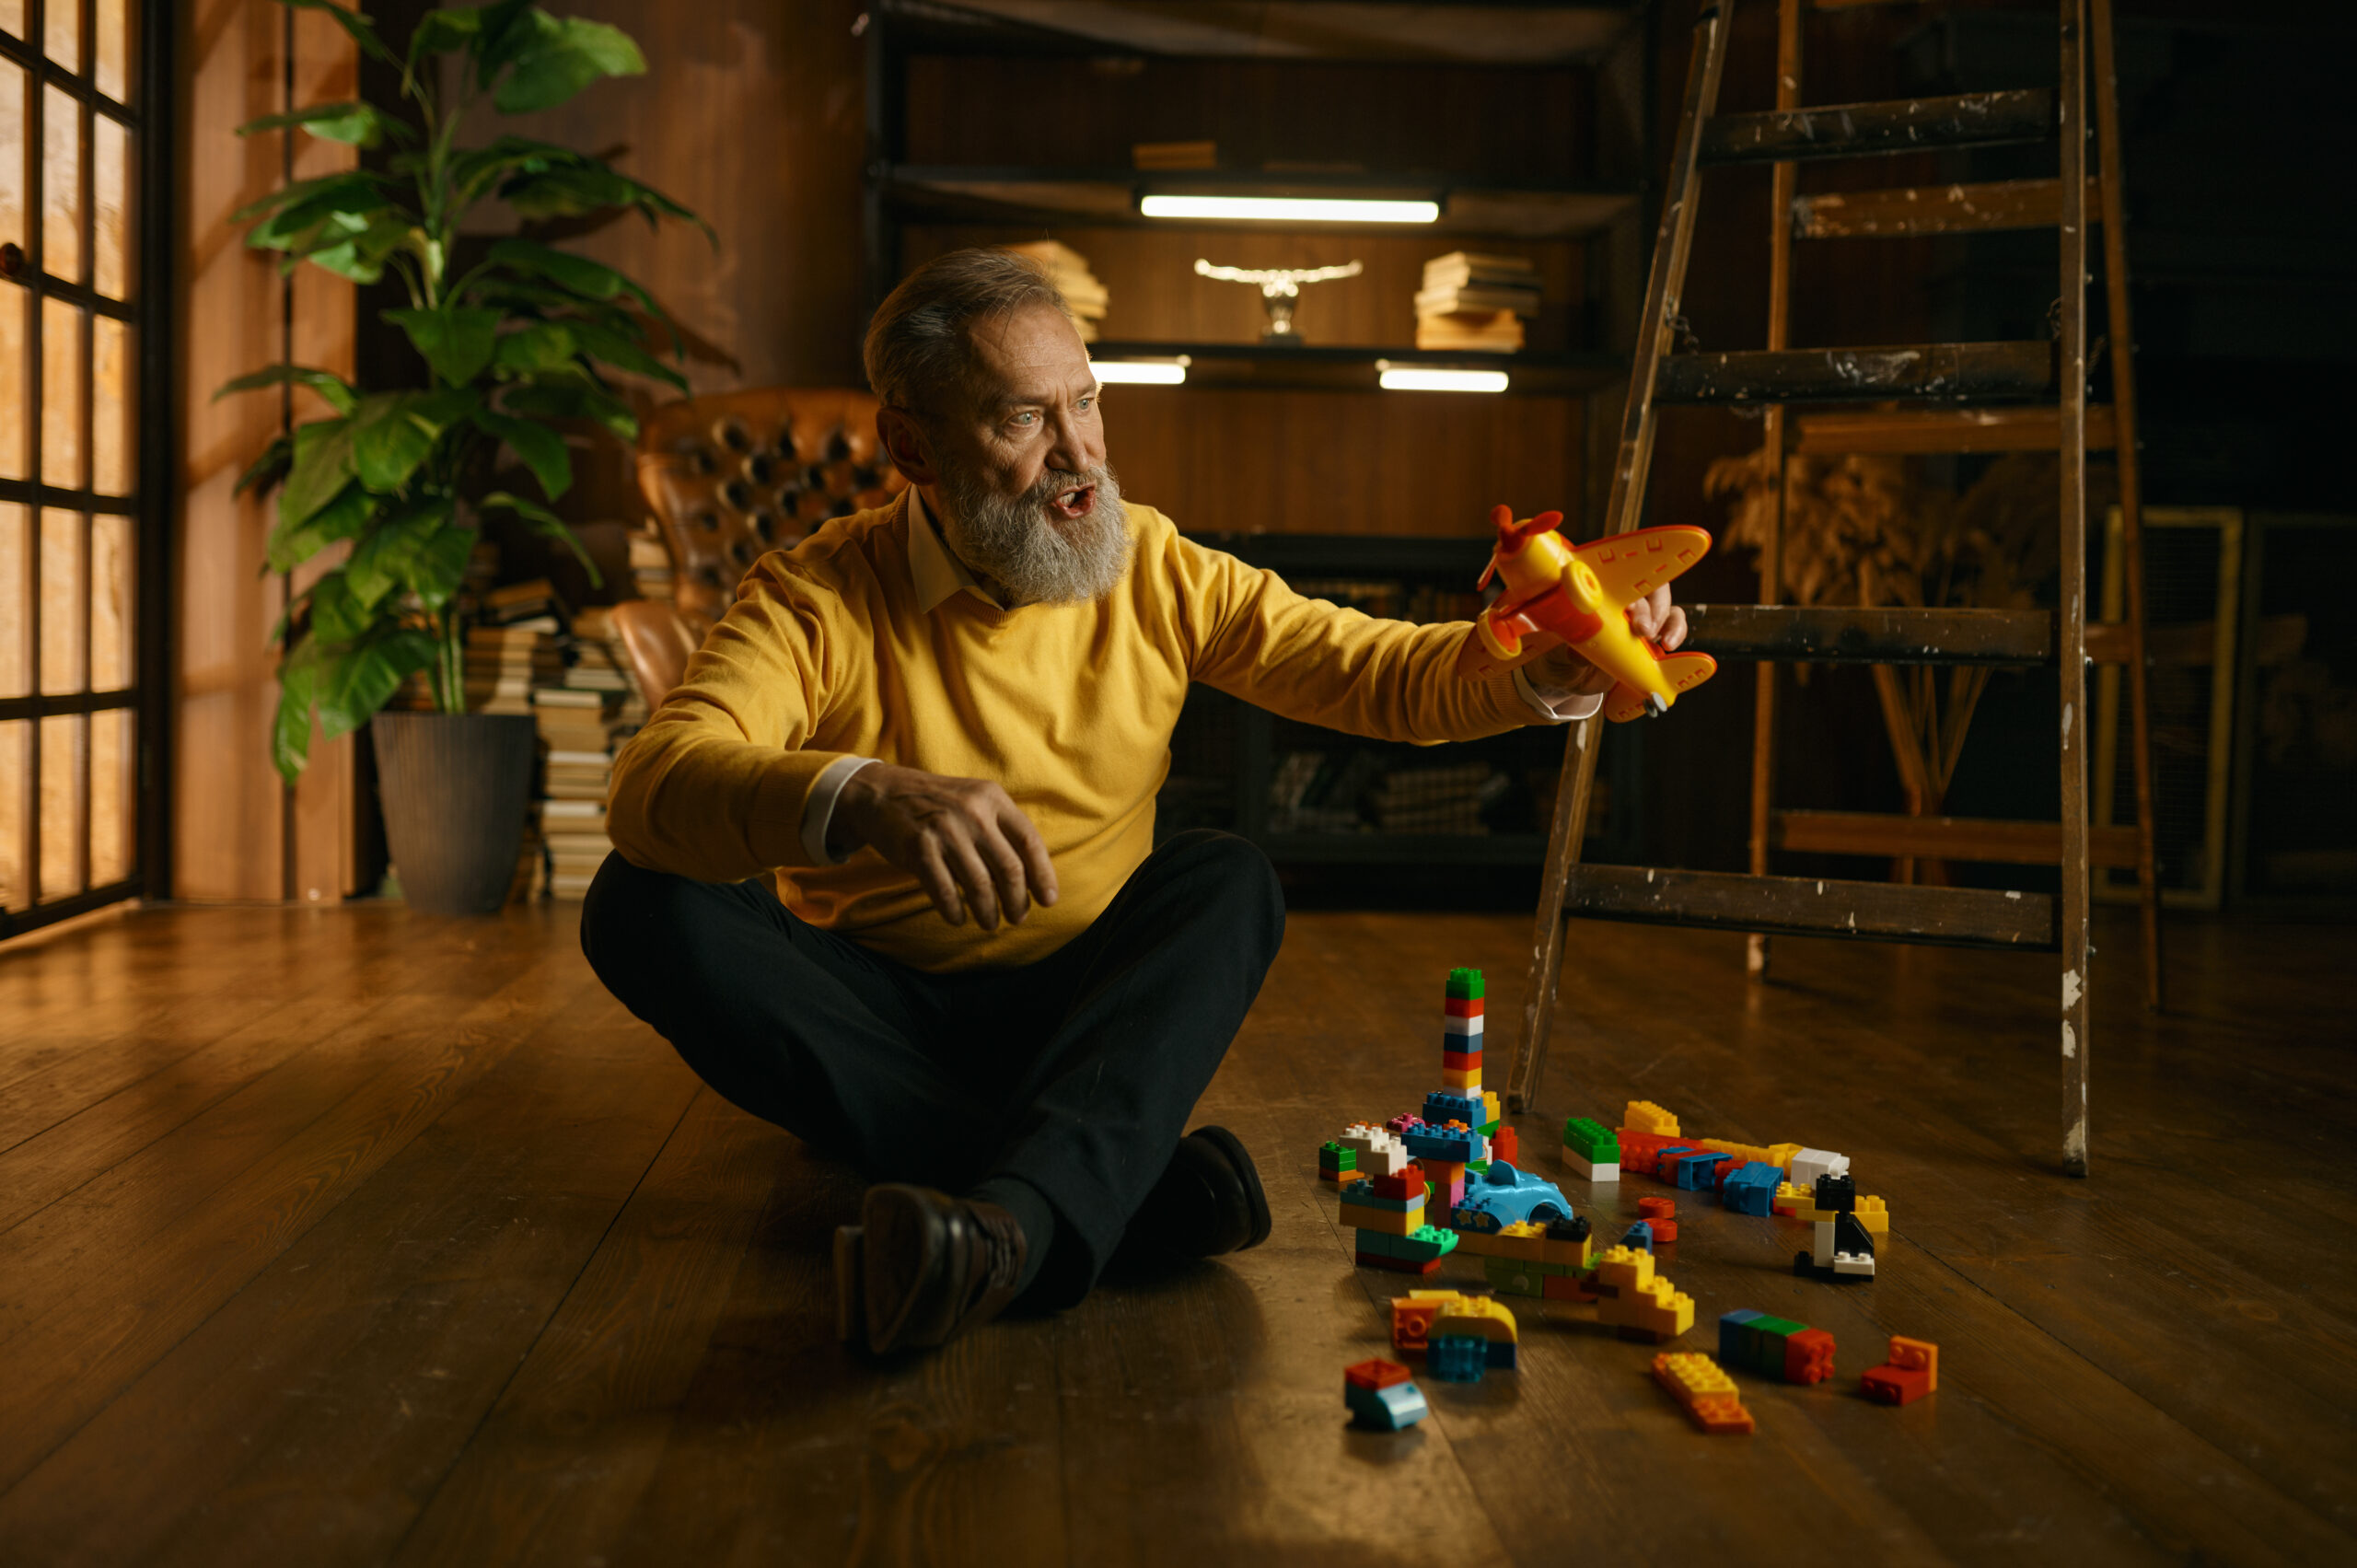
column 904, row 443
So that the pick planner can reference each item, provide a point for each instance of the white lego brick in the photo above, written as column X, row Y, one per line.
column 1462, row 1025
column 1810, row 1164
column 1609, row 1171
column 1823, row 1251
column 1858, row 1263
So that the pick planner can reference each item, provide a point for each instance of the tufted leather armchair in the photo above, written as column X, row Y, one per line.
column 734, row 474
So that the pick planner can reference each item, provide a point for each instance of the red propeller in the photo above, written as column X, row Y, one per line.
column 1513, row 536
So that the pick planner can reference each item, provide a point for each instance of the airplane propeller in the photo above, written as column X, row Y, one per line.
column 1513, row 536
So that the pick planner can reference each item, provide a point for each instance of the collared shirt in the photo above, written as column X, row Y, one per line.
column 936, row 574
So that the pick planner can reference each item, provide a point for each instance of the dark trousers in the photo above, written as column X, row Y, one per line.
column 1074, row 1075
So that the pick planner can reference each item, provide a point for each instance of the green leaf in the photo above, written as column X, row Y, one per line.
column 545, row 345
column 362, row 679
column 336, row 615
column 361, row 257
column 387, row 445
column 353, row 22
column 291, row 544
column 327, row 383
column 438, row 32
column 541, row 449
column 579, row 274
column 267, row 469
column 616, row 349
column 559, row 57
column 355, row 124
column 455, row 341
column 588, row 186
column 290, row 737
column 507, row 26
column 547, row 524
column 542, row 398
column 439, row 566
column 380, row 560
column 323, row 465
column 305, row 189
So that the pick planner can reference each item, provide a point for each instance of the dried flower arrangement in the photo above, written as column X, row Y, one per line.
column 1869, row 531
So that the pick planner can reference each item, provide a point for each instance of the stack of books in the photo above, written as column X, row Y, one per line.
column 650, row 565
column 1068, row 270
column 504, row 663
column 1476, row 302
column 582, row 718
column 1437, row 800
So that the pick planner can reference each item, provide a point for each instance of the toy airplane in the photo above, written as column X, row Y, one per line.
column 1556, row 591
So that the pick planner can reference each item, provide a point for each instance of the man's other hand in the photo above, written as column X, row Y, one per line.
column 967, row 845
column 1563, row 673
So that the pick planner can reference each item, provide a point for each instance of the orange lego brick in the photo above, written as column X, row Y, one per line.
column 1708, row 1393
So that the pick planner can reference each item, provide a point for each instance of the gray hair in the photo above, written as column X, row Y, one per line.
column 917, row 344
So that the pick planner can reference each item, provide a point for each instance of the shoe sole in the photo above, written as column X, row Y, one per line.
column 885, row 1217
column 1231, row 1148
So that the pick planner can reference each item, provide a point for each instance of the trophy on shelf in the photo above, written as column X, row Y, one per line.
column 1280, row 290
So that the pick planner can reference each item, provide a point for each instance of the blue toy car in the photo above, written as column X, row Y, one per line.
column 1502, row 1196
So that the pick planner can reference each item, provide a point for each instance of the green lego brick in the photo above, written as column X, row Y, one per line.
column 1512, row 1276
column 1592, row 1140
column 1465, row 984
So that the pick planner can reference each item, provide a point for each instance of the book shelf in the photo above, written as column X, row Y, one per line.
column 993, row 122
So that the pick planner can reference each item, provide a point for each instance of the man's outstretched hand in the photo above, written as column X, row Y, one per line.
column 967, row 845
column 1563, row 673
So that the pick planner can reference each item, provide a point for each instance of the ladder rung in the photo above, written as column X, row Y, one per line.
column 1935, row 209
column 1918, row 430
column 1861, row 130
column 1809, row 906
column 1943, row 838
column 1844, row 634
column 1947, row 373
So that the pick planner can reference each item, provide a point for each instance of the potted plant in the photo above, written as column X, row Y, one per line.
column 515, row 336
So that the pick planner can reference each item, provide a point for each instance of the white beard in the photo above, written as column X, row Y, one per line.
column 1034, row 558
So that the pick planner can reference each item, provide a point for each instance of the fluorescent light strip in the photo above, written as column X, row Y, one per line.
column 1291, row 209
column 1140, row 372
column 1443, row 380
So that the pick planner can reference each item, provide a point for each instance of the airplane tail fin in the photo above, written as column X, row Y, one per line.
column 1680, row 672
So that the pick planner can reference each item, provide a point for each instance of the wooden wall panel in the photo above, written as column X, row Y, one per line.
column 1427, row 463
column 231, row 835
column 1149, row 273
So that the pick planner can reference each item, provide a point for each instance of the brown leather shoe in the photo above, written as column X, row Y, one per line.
column 932, row 1266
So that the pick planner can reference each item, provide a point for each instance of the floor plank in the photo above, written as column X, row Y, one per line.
column 353, row 1237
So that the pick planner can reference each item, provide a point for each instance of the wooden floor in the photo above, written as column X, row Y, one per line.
column 356, row 1237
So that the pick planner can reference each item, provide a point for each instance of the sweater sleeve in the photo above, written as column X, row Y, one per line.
column 714, row 787
column 1253, row 637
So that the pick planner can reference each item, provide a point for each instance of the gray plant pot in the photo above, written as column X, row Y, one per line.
column 455, row 786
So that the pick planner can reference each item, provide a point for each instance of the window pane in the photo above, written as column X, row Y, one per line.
column 111, row 224
column 114, row 49
column 14, row 457
column 61, row 185
column 12, row 17
column 61, row 394
column 112, row 576
column 61, row 601
column 60, row 806
column 15, row 609
column 12, row 155
column 64, row 31
column 111, row 793
column 111, row 403
column 16, row 735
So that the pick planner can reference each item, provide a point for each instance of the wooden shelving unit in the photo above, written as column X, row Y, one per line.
column 1534, row 138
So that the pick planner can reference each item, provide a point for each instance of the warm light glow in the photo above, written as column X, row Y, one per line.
column 1289, row 209
column 1140, row 372
column 1443, row 380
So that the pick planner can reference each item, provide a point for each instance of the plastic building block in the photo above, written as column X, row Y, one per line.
column 1446, row 1180
column 1505, row 1145
column 1457, row 1358
column 1842, row 1250
column 1441, row 1109
column 1808, row 1356
column 1480, row 1315
column 1334, row 1161
column 1375, row 1150
column 1836, row 1194
column 1696, row 1172
column 1457, row 1057
column 1392, row 1409
column 1913, row 1371
column 1637, row 1302
column 1800, row 1203
column 1639, row 1237
column 1502, row 1195
column 1735, row 1344
column 1465, row 984
column 1661, row 1215
column 1807, row 1165
column 1407, row 1181
column 1590, row 1148
column 1707, row 1392
column 1645, row 1115
column 1513, row 1276
column 1751, row 1189
column 1411, row 1318
column 1376, row 1373
column 1567, row 1287
column 1455, row 1143
column 1571, row 1242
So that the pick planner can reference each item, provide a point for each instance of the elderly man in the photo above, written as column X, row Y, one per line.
column 940, row 728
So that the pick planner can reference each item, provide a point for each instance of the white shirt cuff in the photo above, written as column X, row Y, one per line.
column 819, row 810
column 1564, row 710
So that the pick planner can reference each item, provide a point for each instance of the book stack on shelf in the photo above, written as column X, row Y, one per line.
column 650, row 565
column 580, row 718
column 504, row 663
column 1448, row 799
column 1476, row 302
column 1068, row 270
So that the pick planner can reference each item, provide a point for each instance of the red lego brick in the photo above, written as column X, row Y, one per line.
column 1808, row 1356
column 1564, row 1288
column 1657, row 1208
column 1407, row 1181
column 1462, row 1007
column 1460, row 1061
column 1505, row 1146
column 1397, row 1265
column 1375, row 1374
column 1896, row 1386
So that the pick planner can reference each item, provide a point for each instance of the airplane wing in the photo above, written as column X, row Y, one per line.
column 1632, row 565
column 1682, row 672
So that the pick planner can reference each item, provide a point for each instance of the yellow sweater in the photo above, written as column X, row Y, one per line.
column 826, row 654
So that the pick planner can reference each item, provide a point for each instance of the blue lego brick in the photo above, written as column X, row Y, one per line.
column 1363, row 1195
column 1457, row 1358
column 1501, row 1355
column 1640, row 1237
column 1385, row 1410
column 1735, row 1340
column 1431, row 1143
column 1380, row 1243
column 1752, row 1188
column 1440, row 1107
column 1693, row 1173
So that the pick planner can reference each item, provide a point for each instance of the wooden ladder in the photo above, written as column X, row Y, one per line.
column 2030, row 395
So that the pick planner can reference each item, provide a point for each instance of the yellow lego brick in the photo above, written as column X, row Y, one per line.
column 1638, row 1300
column 1483, row 1316
column 1578, row 1254
column 1708, row 1393
column 1645, row 1115
column 1781, row 1153
column 1390, row 1222
column 1527, row 1242
column 1488, row 1106
column 1873, row 1212
column 1465, row 1081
